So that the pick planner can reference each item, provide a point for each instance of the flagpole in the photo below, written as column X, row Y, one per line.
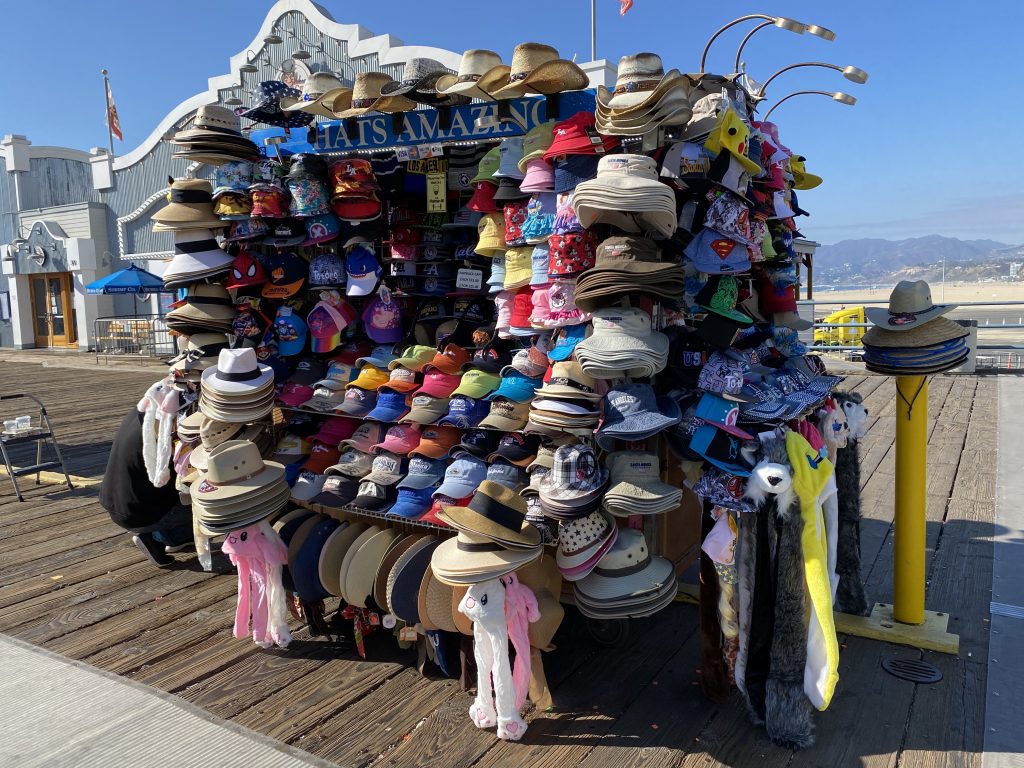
column 106, row 102
column 593, row 30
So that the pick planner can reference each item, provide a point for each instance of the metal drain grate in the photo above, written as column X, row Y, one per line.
column 914, row 670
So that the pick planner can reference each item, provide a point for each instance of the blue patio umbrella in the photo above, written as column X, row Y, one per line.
column 130, row 280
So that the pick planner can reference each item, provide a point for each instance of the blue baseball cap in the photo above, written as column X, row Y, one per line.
column 358, row 402
column 363, row 271
column 721, row 413
column 509, row 475
column 390, row 407
column 516, row 387
column 423, row 473
column 291, row 332
column 465, row 413
column 720, row 449
column 326, row 270
column 566, row 340
column 462, row 478
column 413, row 502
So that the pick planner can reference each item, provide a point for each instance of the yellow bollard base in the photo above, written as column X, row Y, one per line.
column 880, row 625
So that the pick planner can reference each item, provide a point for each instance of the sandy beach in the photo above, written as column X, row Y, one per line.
column 953, row 293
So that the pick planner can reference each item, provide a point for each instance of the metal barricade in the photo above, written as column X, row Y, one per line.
column 136, row 335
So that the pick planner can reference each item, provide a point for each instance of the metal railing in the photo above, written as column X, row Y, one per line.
column 136, row 335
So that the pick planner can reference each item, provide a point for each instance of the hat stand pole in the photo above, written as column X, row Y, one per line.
column 906, row 622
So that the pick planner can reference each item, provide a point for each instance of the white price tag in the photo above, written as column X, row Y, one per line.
column 469, row 279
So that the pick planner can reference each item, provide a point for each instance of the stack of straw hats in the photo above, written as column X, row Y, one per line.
column 197, row 257
column 215, row 137
column 567, row 401
column 645, row 97
column 627, row 581
column 493, row 538
column 205, row 309
column 238, row 389
column 189, row 206
column 238, row 488
column 912, row 336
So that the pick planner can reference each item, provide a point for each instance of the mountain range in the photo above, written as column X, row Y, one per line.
column 872, row 260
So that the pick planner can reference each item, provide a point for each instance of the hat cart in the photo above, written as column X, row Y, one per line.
column 602, row 341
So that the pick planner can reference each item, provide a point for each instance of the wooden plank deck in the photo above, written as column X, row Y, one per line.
column 72, row 582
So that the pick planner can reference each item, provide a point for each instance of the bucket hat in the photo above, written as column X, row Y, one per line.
column 536, row 68
column 633, row 412
column 474, row 64
column 622, row 343
column 635, row 487
column 575, row 475
column 496, row 513
column 628, row 194
column 910, row 305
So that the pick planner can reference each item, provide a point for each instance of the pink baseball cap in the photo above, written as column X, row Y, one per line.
column 335, row 429
column 326, row 322
column 294, row 395
column 439, row 384
column 400, row 439
column 540, row 177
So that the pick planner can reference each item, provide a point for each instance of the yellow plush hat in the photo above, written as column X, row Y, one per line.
column 801, row 178
column 731, row 133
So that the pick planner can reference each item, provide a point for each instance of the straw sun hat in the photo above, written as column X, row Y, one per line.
column 536, row 68
column 367, row 97
column 474, row 65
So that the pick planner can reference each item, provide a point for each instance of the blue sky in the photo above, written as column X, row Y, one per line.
column 931, row 146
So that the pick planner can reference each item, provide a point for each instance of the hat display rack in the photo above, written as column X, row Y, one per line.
column 532, row 362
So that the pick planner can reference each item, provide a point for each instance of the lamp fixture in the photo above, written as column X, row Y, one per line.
column 249, row 67
column 234, row 101
column 814, row 29
column 781, row 22
column 273, row 40
column 301, row 54
column 838, row 96
column 851, row 73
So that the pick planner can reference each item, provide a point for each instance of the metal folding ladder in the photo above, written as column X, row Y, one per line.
column 41, row 435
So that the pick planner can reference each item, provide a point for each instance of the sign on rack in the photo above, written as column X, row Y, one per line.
column 478, row 121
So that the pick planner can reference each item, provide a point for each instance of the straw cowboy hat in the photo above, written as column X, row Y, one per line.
column 910, row 305
column 640, row 83
column 419, row 83
column 474, row 65
column 536, row 68
column 319, row 88
column 367, row 97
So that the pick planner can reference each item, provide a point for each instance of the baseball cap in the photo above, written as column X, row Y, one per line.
column 436, row 442
column 286, row 272
column 339, row 373
column 307, row 372
column 363, row 270
column 462, row 477
column 721, row 413
column 367, row 434
column 335, row 429
column 715, row 254
column 358, row 402
column 490, row 358
column 246, row 270
column 449, row 360
column 402, row 380
column 426, row 409
column 476, row 442
column 721, row 449
column 326, row 322
column 383, row 320
column 509, row 475
column 516, row 448
column 337, row 491
column 437, row 383
column 411, row 503
column 387, row 469
column 566, row 340
column 370, row 377
column 414, row 358
column 307, row 485
column 515, row 386
column 381, row 356
column 390, row 407
column 294, row 394
column 506, row 415
column 375, row 496
column 352, row 463
column 423, row 473
column 464, row 412
column 321, row 457
column 400, row 439
column 291, row 332
column 326, row 271
column 476, row 384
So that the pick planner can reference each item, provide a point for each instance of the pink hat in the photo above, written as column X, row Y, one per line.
column 439, row 384
column 326, row 322
column 503, row 306
column 541, row 308
column 562, row 304
column 294, row 395
column 335, row 429
column 540, row 177
column 400, row 439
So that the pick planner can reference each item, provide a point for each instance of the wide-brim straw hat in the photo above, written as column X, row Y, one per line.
column 653, row 578
column 910, row 305
column 244, row 516
column 475, row 63
column 490, row 504
column 935, row 331
column 366, row 97
column 435, row 603
column 676, row 115
column 462, row 621
column 419, row 83
column 535, row 68
column 478, row 559
column 636, row 101
column 363, row 569
column 319, row 87
column 904, row 371
column 333, row 552
column 189, row 206
column 346, row 561
column 380, row 583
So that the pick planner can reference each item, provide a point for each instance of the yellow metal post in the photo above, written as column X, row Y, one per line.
column 911, row 476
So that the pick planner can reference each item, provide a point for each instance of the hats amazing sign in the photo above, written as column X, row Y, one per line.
column 422, row 126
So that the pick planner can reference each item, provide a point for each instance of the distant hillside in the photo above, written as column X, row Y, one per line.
column 872, row 260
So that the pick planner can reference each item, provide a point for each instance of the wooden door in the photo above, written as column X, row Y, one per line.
column 53, row 322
